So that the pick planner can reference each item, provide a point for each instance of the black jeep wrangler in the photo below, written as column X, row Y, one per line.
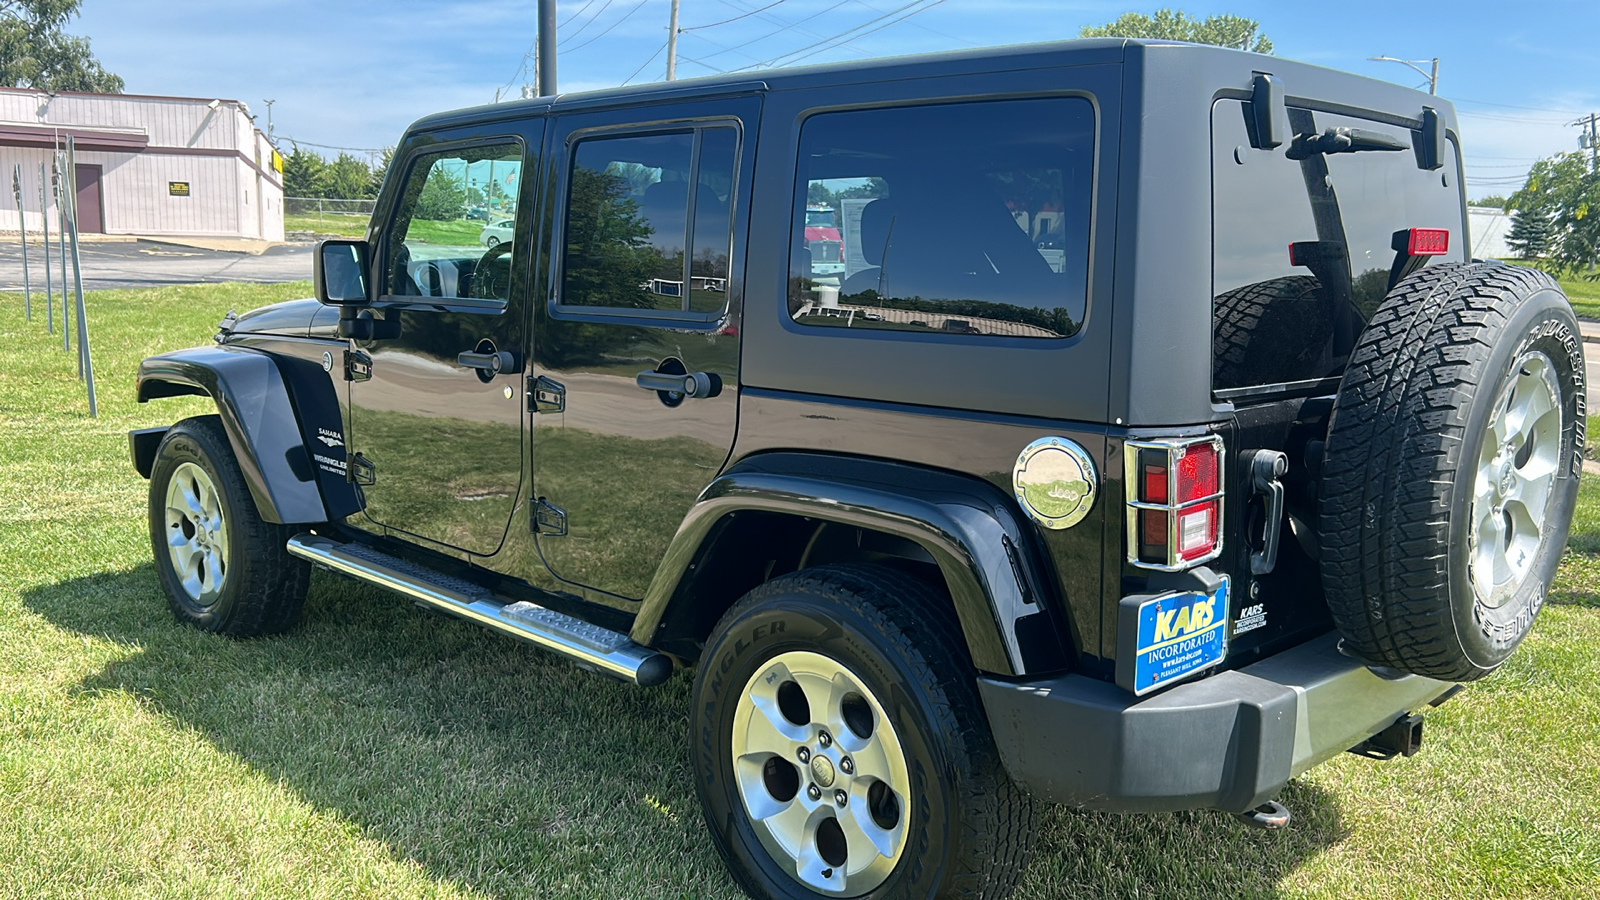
column 1112, row 423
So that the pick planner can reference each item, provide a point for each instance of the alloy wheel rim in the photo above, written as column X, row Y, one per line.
column 821, row 773
column 1515, row 479
column 196, row 534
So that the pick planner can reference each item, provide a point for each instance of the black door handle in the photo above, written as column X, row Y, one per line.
column 693, row 384
column 495, row 363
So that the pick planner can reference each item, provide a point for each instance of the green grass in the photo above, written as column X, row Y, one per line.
column 328, row 223
column 449, row 234
column 380, row 751
column 1583, row 292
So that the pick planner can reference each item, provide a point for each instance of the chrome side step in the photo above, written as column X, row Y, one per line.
column 590, row 646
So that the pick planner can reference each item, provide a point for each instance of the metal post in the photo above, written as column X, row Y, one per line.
column 1433, row 78
column 547, row 48
column 672, row 43
column 63, row 211
column 85, row 365
column 22, row 229
column 44, row 220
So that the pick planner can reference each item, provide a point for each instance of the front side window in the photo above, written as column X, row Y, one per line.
column 455, row 233
column 649, row 222
column 968, row 218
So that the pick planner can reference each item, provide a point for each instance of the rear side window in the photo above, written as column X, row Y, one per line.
column 649, row 223
column 969, row 218
column 1280, row 321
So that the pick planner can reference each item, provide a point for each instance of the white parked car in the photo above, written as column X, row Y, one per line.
column 496, row 231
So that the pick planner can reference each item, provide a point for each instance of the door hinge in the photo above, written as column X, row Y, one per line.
column 547, row 395
column 548, row 518
column 361, row 470
column 357, row 366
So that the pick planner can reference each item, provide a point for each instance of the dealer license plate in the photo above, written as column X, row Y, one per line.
column 1179, row 635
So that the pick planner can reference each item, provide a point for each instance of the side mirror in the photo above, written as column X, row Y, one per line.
column 339, row 272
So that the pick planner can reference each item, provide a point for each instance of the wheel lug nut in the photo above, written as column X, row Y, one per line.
column 825, row 739
column 814, row 792
column 805, row 755
column 841, row 798
column 846, row 766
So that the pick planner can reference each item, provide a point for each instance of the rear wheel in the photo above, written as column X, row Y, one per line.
column 223, row 569
column 841, row 749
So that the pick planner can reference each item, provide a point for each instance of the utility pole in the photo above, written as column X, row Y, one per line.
column 672, row 43
column 269, row 118
column 546, row 60
column 1431, row 74
column 1594, row 141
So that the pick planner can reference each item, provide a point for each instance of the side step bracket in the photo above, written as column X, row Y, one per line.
column 590, row 646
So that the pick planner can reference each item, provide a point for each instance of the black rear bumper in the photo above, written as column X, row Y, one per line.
column 1229, row 742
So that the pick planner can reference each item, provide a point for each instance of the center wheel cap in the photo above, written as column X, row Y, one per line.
column 821, row 771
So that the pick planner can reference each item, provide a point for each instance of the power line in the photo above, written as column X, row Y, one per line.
column 783, row 26
column 602, row 34
column 592, row 19
column 580, row 12
column 926, row 28
column 331, row 147
column 735, row 18
column 646, row 63
column 846, row 36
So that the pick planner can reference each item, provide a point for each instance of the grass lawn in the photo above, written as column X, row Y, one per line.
column 381, row 751
column 1582, row 292
column 328, row 223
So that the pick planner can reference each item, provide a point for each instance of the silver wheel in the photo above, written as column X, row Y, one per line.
column 821, row 773
column 197, row 533
column 1515, row 478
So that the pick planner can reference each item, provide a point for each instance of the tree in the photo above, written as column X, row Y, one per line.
column 444, row 197
column 1567, row 188
column 375, row 179
column 303, row 172
column 1493, row 201
column 346, row 178
column 1530, row 234
column 34, row 53
column 1176, row 25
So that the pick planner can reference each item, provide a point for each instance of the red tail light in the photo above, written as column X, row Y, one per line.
column 1175, row 511
column 1428, row 242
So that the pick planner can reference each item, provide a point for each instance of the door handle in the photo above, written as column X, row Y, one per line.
column 698, row 385
column 494, row 363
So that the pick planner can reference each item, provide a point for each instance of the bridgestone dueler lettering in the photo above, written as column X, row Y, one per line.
column 1408, row 430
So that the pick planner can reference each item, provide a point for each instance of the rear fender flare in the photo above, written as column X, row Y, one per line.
column 257, row 414
column 965, row 526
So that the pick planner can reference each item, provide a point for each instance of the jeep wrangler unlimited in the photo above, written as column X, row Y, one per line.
column 1136, row 433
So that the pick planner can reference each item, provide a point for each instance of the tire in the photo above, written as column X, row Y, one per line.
column 224, row 570
column 1434, row 559
column 900, row 680
column 1268, row 332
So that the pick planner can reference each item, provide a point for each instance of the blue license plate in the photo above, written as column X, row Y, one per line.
column 1179, row 635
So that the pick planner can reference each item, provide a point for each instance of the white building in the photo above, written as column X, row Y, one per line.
column 146, row 165
column 1489, row 227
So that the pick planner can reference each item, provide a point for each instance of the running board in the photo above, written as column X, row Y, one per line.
column 590, row 646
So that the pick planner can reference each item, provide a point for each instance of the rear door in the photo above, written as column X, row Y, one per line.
column 436, row 403
column 644, row 293
column 1285, row 319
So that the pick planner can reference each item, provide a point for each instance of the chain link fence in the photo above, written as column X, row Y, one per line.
column 320, row 214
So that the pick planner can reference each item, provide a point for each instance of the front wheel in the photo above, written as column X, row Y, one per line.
column 841, row 749
column 223, row 568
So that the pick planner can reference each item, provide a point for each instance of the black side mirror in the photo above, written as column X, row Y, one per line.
column 339, row 272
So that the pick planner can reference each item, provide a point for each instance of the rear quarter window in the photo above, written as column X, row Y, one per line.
column 1275, row 322
column 956, row 218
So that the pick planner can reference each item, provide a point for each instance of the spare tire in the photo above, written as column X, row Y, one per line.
column 1451, row 469
column 1268, row 332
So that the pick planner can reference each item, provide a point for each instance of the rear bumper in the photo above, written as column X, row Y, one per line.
column 1228, row 742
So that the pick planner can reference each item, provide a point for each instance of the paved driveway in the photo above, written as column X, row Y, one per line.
column 136, row 264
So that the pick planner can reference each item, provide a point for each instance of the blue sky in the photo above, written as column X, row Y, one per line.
column 347, row 73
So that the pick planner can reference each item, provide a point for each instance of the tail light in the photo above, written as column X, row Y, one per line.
column 1174, row 501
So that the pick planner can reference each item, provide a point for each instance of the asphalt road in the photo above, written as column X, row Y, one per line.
column 139, row 264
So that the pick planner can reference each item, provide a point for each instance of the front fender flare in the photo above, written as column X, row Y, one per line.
column 253, row 402
column 973, row 537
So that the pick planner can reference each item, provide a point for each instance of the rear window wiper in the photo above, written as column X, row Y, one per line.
column 1342, row 140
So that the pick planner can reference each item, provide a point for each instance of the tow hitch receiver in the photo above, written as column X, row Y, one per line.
column 1402, row 738
column 1270, row 816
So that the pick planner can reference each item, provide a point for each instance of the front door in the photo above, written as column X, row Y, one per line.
column 644, row 295
column 90, row 219
column 436, row 411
